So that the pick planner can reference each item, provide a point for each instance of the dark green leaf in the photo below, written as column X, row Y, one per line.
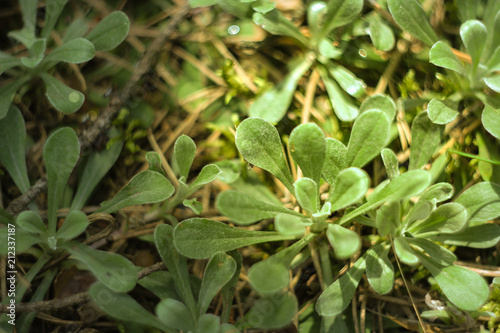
column 110, row 32
column 77, row 28
column 209, row 323
column 111, row 269
column 75, row 51
column 184, row 152
column 339, row 294
column 441, row 55
column 335, row 159
column 379, row 270
column 259, row 143
column 62, row 97
column 425, row 137
column 491, row 120
column 308, row 149
column 201, row 238
column 75, row 223
column 474, row 35
column 7, row 92
column 175, row 314
column 481, row 201
column 369, row 135
column 52, row 12
column 146, row 187
column 411, row 17
column 345, row 242
column 229, row 288
column 380, row 103
column 306, row 192
column 37, row 52
column 244, row 209
column 272, row 311
column 7, row 61
column 31, row 222
column 161, row 284
column 350, row 185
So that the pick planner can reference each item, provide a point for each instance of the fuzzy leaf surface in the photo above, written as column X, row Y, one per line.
column 308, row 149
column 425, row 137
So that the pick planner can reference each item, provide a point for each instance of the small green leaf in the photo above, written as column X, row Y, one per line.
column 350, row 185
column 347, row 80
column 62, row 97
column 480, row 237
column 339, row 13
column 344, row 109
column 379, row 270
column 175, row 314
column 493, row 82
column 245, row 209
column 110, row 32
column 441, row 255
column 335, row 159
column 208, row 174
column 195, row 205
column 176, row 264
column 439, row 113
column 31, row 222
column 411, row 17
column 7, row 62
column 407, row 185
column 7, row 92
column 308, row 149
column 52, row 12
column 381, row 34
column 111, row 269
column 154, row 162
column 75, row 51
column 327, row 50
column 441, row 55
column 339, row 294
column 315, row 15
column 60, row 153
column 272, row 311
column 75, row 223
column 491, row 120
column 201, row 238
column 259, row 143
column 123, row 307
column 209, row 323
column 306, row 192
column 94, row 168
column 391, row 163
column 481, row 201
column 380, row 103
column 146, row 187
column 37, row 52
column 369, row 135
column 425, row 137
column 474, row 36
column 345, row 242
column 448, row 218
column 263, row 6
column 290, row 225
column 404, row 251
column 437, row 193
column 271, row 275
column 388, row 218
column 273, row 103
column 202, row 3
column 275, row 23
column 184, row 152
column 13, row 147
column 218, row 272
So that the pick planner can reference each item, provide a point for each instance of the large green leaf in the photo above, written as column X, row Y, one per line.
column 448, row 218
column 62, row 97
column 441, row 55
column 425, row 137
column 176, row 264
column 411, row 17
column 441, row 255
column 339, row 13
column 272, row 311
column 75, row 51
column 481, row 201
column 60, row 153
column 308, row 149
column 259, row 143
column 273, row 104
column 369, row 135
column 110, row 32
column 407, row 185
column 13, row 147
column 184, row 152
column 379, row 270
column 481, row 236
column 339, row 294
column 379, row 103
column 491, row 120
column 335, row 159
column 146, row 187
column 95, row 166
column 474, row 35
column 350, row 185
column 218, row 272
column 439, row 113
column 201, row 238
column 271, row 275
column 245, row 209
column 345, row 242
column 306, row 192
column 175, row 314
column 111, row 269
column 123, row 307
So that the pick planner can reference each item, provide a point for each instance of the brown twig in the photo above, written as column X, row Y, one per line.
column 101, row 125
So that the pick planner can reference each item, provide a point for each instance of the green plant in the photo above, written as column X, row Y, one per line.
column 77, row 46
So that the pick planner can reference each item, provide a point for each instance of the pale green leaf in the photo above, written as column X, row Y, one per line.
column 259, row 143
column 7, row 92
column 209, row 323
column 437, row 193
column 145, row 187
column 315, row 15
column 493, row 63
column 491, row 120
column 441, row 255
column 74, row 224
column 62, row 97
column 404, row 251
column 344, row 109
column 275, row 23
column 391, row 163
column 194, row 204
column 173, row 313
column 77, row 28
column 466, row 9
column 388, row 218
column 481, row 236
column 37, row 52
column 307, row 194
column 31, row 222
column 308, row 149
column 7, row 61
column 347, row 80
column 448, row 218
column 202, row 3
column 201, row 238
column 290, row 225
column 425, row 137
column 379, row 103
column 335, row 159
column 327, row 50
column 411, row 17
column 481, row 201
column 245, row 209
column 111, row 269
column 381, row 34
column 474, row 35
column 110, row 32
column 493, row 82
column 339, row 13
column 263, row 6
column 379, row 270
column 75, row 51
column 350, row 186
column 369, row 135
column 184, row 152
column 439, row 113
column 228, row 290
column 208, row 174
column 441, row 55
column 272, row 311
column 52, row 12
column 345, row 242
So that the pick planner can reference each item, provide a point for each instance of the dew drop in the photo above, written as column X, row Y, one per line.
column 74, row 97
column 363, row 53
column 233, row 30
